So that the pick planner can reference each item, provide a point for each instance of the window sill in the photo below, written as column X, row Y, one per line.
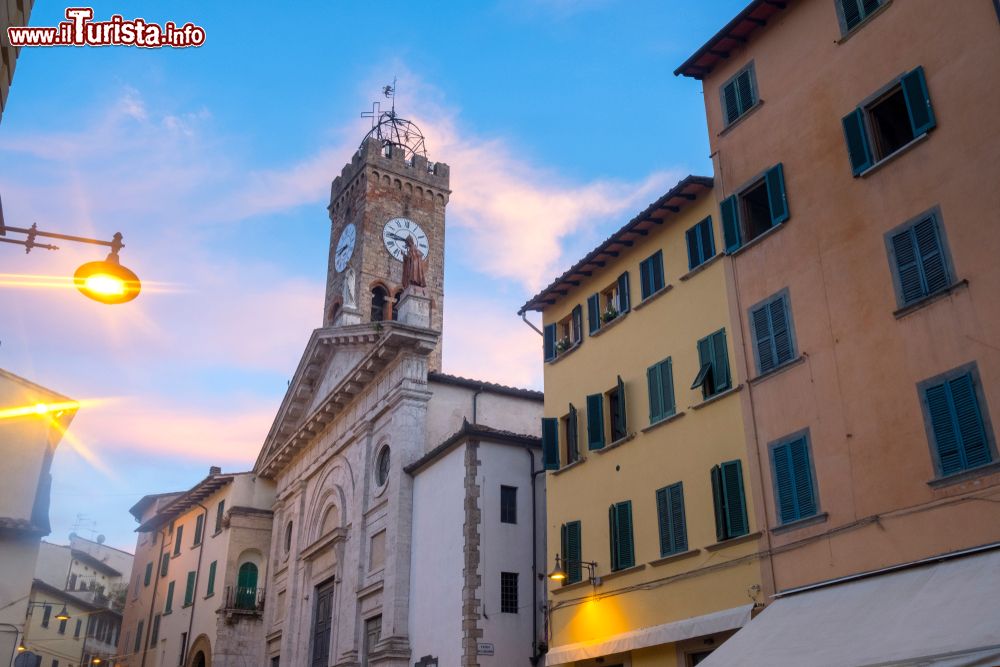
column 757, row 239
column 965, row 475
column 621, row 573
column 665, row 420
column 716, row 397
column 168, row 612
column 569, row 587
column 658, row 293
column 800, row 523
column 617, row 443
column 185, row 606
column 929, row 299
column 891, row 157
column 607, row 325
column 210, row 595
column 674, row 557
column 559, row 355
column 853, row 31
column 701, row 267
column 733, row 541
column 217, row 533
column 778, row 370
column 758, row 104
column 569, row 466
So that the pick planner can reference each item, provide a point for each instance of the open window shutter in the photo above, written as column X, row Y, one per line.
column 745, row 91
column 975, row 449
column 918, row 102
column 805, row 498
column 705, row 239
column 718, row 501
column 577, row 323
column 626, row 548
column 663, row 518
column 851, row 13
column 613, row 536
column 775, row 178
column 623, row 295
column 572, row 436
column 694, row 257
column 655, row 395
column 730, row 102
column 595, row 421
column 783, row 349
column 857, row 140
column 594, row 312
column 573, row 551
column 720, row 362
column 943, row 425
column 678, row 524
column 658, row 281
column 620, row 399
column 762, row 334
column 667, row 386
column 564, row 548
column 550, row 342
column 704, row 377
column 732, row 484
column 731, row 222
column 932, row 262
column 645, row 278
column 550, row 443
column 784, row 484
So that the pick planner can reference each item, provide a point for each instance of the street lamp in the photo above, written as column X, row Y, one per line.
column 106, row 281
column 558, row 573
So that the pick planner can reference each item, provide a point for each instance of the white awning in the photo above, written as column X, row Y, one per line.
column 943, row 614
column 698, row 626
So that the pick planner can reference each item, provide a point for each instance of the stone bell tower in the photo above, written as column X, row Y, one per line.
column 387, row 192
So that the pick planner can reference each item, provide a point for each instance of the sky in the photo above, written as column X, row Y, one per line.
column 560, row 120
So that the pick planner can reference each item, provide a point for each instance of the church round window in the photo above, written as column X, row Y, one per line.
column 382, row 466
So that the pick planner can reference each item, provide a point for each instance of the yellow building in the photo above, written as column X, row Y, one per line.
column 649, row 515
column 63, row 630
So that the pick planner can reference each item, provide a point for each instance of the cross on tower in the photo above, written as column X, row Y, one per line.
column 373, row 114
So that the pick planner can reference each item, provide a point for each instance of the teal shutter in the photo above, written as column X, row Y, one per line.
column 762, row 333
column 550, row 342
column 178, row 539
column 730, row 102
column 211, row 578
column 735, row 503
column 168, row 604
column 594, row 312
column 975, row 448
column 772, row 334
column 784, row 350
column 658, row 281
column 138, row 638
column 904, row 252
column 656, row 412
column 857, row 141
column 670, row 512
column 932, row 263
column 623, row 293
column 793, row 481
column 620, row 407
column 851, row 12
column 577, row 323
column 164, row 565
column 645, row 278
column 595, row 421
column 572, row 436
column 957, row 424
column 920, row 263
column 720, row 362
column 613, row 537
column 784, row 483
column 189, row 589
column 199, row 527
column 805, row 494
column 148, row 575
column 706, row 239
column 730, row 207
column 694, row 256
column 918, row 102
column 572, row 551
column 550, row 443
column 775, row 178
column 745, row 91
column 704, row 379
column 667, row 386
column 623, row 533
column 718, row 502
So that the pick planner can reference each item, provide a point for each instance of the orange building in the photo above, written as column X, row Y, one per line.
column 856, row 145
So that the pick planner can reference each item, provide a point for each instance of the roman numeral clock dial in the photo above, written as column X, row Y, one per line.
column 394, row 236
column 345, row 248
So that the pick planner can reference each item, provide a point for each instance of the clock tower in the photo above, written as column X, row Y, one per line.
column 388, row 191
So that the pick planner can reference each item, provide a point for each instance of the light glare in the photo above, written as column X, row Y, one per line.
column 102, row 283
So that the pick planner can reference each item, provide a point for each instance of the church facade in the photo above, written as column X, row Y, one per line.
column 367, row 419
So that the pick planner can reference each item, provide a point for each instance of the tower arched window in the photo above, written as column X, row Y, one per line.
column 380, row 297
column 395, row 304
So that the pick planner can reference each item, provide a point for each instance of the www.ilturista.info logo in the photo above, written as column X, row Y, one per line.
column 80, row 30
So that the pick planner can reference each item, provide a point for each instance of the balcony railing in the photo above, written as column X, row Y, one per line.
column 244, row 599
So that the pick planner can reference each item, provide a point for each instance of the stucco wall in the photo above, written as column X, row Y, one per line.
column 451, row 404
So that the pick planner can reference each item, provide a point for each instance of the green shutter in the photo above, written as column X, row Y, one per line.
column 178, row 539
column 784, row 483
column 720, row 362
column 734, row 500
column 670, row 514
column 762, row 335
column 550, row 443
column 148, row 575
column 595, row 421
column 211, row 579
column 694, row 256
column 219, row 513
column 189, row 589
column 957, row 424
column 572, row 436
column 656, row 412
column 667, row 386
column 775, row 179
column 805, row 494
column 624, row 300
column 718, row 501
column 199, row 527
column 168, row 604
column 593, row 313
column 549, row 345
column 704, row 379
column 623, row 547
column 620, row 407
column 793, row 481
column 918, row 102
column 613, row 537
column 730, row 207
column 975, row 448
column 572, row 552
column 745, row 91
column 164, row 565
column 577, row 334
column 730, row 102
column 857, row 141
column 933, row 268
column 658, row 281
column 138, row 638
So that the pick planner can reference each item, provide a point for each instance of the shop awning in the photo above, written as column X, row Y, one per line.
column 698, row 626
column 945, row 613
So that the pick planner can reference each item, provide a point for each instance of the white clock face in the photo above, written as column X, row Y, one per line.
column 345, row 248
column 394, row 236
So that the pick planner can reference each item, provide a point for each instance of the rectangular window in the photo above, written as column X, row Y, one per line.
column 62, row 627
column 154, row 632
column 918, row 258
column 168, row 604
column 620, row 525
column 373, row 632
column 593, row 313
column 571, row 431
column 660, row 380
column 713, row 355
column 276, row 661
column 211, row 579
column 700, row 243
column 550, row 443
column 670, row 515
column 852, row 13
column 651, row 274
column 608, row 304
column 508, row 592
column 878, row 128
column 569, row 330
column 189, row 589
column 138, row 638
column 178, row 538
column 55, row 663
column 771, row 326
column 616, row 410
column 957, row 421
column 220, row 511
column 148, row 575
column 794, row 481
column 46, row 614
column 184, row 641
column 164, row 565
column 571, row 548
column 549, row 341
column 595, row 421
column 730, row 503
column 739, row 94
column 508, row 504
column 755, row 209
column 199, row 527
column 76, row 630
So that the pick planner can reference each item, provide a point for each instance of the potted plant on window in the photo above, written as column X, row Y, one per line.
column 610, row 314
column 562, row 345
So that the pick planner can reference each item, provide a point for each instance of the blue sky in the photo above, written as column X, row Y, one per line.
column 560, row 121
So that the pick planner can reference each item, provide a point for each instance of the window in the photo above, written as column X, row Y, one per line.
column 382, row 462
column 852, row 13
column 72, row 582
column 918, row 259
column 564, row 334
column 730, row 503
column 199, row 527
column 276, row 661
column 700, row 243
column 651, row 274
column 62, row 627
column 138, row 638
column 670, row 516
column 595, row 421
column 713, row 355
column 508, row 504
column 211, row 579
column 184, row 641
column 550, row 443
column 380, row 299
column 616, row 411
column 322, row 625
column 571, row 547
column 771, row 326
column 288, row 537
column 877, row 129
column 189, row 589
column 739, row 94
column 154, row 632
column 620, row 524
column 608, row 304
column 794, row 481
column 46, row 614
column 220, row 512
column 55, row 663
column 164, row 564
column 660, row 380
column 508, row 592
column 957, row 422
column 570, row 429
column 168, row 604
column 246, row 586
column 373, row 632
column 755, row 209
column 148, row 575
column 178, row 539
column 76, row 630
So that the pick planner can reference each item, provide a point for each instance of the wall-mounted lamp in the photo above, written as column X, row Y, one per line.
column 558, row 573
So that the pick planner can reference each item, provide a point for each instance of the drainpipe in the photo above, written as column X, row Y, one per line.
column 524, row 316
column 152, row 603
column 536, row 656
column 197, row 576
column 474, row 402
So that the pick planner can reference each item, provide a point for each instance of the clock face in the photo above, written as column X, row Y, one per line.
column 345, row 248
column 394, row 236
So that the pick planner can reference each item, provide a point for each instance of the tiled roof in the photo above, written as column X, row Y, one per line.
column 470, row 431
column 493, row 387
column 21, row 526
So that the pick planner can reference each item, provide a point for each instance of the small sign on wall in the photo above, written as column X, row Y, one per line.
column 484, row 648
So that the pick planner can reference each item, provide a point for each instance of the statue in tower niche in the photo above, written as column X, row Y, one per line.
column 350, row 296
column 414, row 267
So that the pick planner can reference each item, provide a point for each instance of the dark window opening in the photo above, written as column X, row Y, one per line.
column 571, row 429
column 891, row 128
column 756, row 212
column 616, row 410
column 508, row 504
column 395, row 304
column 380, row 296
column 508, row 592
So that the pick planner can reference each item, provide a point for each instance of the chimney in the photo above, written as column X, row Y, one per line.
column 214, row 470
